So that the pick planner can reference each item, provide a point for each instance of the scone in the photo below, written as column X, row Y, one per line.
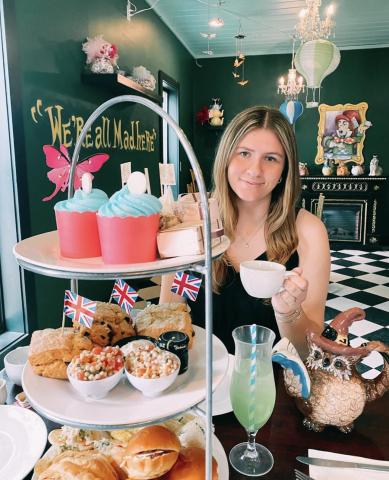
column 52, row 349
column 110, row 324
column 157, row 319
column 73, row 465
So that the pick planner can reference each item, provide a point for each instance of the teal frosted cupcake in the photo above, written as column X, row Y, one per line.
column 128, row 224
column 77, row 222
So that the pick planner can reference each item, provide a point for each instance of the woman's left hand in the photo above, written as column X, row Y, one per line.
column 292, row 295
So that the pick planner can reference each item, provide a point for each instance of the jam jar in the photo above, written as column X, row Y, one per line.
column 177, row 343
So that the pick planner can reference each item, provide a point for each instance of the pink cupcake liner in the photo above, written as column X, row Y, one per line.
column 78, row 234
column 128, row 239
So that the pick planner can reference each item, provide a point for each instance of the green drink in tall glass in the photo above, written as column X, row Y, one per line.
column 253, row 394
column 264, row 393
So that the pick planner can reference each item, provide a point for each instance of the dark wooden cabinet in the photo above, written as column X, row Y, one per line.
column 353, row 210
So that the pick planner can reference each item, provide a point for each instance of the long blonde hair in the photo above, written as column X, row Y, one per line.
column 280, row 228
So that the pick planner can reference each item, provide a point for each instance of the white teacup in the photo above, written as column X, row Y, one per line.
column 14, row 363
column 3, row 391
column 262, row 279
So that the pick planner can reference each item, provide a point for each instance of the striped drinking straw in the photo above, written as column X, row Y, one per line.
column 253, row 373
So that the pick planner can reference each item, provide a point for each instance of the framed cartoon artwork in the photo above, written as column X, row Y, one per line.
column 342, row 131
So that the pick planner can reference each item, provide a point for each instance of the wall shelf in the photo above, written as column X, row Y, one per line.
column 119, row 84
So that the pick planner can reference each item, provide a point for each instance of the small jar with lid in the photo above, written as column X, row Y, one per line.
column 177, row 343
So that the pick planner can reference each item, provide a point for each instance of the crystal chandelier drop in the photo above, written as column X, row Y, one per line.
column 311, row 26
column 293, row 86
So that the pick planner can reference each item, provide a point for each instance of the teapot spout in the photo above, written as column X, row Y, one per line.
column 296, row 377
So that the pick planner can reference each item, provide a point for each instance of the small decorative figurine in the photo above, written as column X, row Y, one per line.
column 327, row 168
column 215, row 113
column 357, row 170
column 342, row 169
column 101, row 55
column 144, row 77
column 375, row 169
column 303, row 169
column 330, row 391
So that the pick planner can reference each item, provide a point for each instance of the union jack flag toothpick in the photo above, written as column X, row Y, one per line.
column 186, row 285
column 79, row 309
column 124, row 295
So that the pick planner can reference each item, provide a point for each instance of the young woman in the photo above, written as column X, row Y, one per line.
column 257, row 185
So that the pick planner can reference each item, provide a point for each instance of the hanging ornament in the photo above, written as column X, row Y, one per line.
column 315, row 60
column 243, row 82
column 292, row 110
column 239, row 57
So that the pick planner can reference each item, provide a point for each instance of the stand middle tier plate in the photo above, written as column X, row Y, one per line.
column 124, row 406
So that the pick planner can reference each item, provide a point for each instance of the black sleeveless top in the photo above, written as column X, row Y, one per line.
column 234, row 307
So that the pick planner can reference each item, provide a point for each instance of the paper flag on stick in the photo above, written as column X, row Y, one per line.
column 125, row 172
column 124, row 295
column 79, row 309
column 167, row 175
column 186, row 285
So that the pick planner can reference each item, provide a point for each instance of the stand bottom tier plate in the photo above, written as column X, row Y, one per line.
column 125, row 406
column 217, row 451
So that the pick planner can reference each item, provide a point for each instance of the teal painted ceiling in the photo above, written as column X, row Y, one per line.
column 269, row 24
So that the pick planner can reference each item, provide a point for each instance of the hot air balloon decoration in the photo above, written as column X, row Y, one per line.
column 292, row 110
column 315, row 60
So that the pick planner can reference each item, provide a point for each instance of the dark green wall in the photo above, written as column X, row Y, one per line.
column 44, row 40
column 361, row 76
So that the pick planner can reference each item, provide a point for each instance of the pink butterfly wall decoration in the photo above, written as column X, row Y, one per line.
column 59, row 161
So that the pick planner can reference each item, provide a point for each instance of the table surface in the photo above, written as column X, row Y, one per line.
column 285, row 436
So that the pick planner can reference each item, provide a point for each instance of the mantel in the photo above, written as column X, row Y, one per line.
column 344, row 184
column 348, row 178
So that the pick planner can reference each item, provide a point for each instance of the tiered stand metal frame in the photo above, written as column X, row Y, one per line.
column 204, row 266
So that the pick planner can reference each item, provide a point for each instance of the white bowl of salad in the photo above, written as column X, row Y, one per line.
column 95, row 372
column 150, row 369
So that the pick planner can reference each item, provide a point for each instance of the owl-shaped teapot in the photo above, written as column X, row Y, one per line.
column 328, row 389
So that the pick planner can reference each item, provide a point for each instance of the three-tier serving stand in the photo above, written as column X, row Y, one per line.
column 27, row 253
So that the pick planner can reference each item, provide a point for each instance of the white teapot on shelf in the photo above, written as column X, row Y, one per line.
column 357, row 170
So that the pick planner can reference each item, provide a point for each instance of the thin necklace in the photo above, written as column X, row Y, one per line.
column 246, row 241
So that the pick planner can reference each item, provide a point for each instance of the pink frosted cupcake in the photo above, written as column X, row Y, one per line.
column 128, row 224
column 77, row 223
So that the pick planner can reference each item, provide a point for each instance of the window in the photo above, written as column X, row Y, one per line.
column 169, row 89
column 2, row 323
column 12, row 323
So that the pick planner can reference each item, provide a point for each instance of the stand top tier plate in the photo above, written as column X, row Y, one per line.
column 40, row 254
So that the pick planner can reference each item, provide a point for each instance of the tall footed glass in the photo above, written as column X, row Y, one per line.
column 253, row 394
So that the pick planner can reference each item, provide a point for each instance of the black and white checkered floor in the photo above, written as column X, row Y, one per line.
column 361, row 279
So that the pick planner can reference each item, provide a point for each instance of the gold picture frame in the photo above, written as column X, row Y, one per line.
column 342, row 132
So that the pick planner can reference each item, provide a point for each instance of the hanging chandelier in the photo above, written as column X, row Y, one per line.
column 311, row 26
column 293, row 86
